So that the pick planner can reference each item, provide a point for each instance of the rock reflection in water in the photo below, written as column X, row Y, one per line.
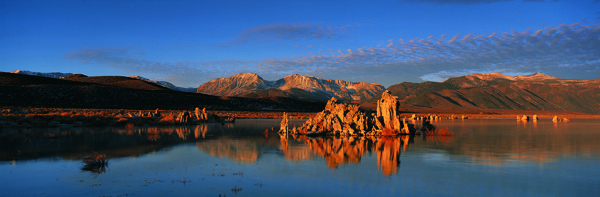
column 95, row 163
column 336, row 150
column 200, row 131
column 438, row 139
column 294, row 153
column 388, row 153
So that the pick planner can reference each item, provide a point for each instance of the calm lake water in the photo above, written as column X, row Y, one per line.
column 485, row 158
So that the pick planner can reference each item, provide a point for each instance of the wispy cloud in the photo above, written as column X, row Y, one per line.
column 133, row 62
column 288, row 32
column 566, row 51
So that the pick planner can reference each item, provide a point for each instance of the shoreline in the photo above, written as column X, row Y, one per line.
column 58, row 117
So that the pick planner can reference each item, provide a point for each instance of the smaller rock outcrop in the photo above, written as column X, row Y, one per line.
column 184, row 117
column 557, row 119
column 427, row 126
column 156, row 113
column 198, row 116
column 203, row 115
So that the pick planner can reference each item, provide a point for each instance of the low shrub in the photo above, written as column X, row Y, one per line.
column 95, row 163
column 439, row 132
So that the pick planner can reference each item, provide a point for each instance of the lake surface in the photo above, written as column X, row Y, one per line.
column 485, row 158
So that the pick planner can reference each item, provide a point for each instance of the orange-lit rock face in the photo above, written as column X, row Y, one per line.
column 252, row 85
column 347, row 120
column 283, row 127
column 336, row 117
column 387, row 111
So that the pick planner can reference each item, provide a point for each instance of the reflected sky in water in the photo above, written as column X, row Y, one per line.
column 485, row 158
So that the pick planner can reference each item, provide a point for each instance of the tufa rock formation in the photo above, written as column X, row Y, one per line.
column 524, row 118
column 283, row 127
column 184, row 117
column 343, row 119
column 427, row 126
column 386, row 112
column 156, row 113
column 557, row 119
column 200, row 116
column 337, row 117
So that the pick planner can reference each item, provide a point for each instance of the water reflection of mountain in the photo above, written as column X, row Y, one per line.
column 498, row 142
column 74, row 143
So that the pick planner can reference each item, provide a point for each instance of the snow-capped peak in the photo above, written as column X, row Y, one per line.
column 56, row 75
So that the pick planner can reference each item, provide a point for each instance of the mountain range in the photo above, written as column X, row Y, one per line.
column 470, row 92
column 292, row 86
column 498, row 91
column 165, row 84
column 117, row 92
column 59, row 75
column 56, row 75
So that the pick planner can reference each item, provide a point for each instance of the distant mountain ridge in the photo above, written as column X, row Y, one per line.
column 498, row 91
column 56, row 75
column 165, row 84
column 118, row 92
column 292, row 86
column 59, row 75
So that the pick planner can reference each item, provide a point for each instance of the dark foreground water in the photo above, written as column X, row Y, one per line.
column 485, row 158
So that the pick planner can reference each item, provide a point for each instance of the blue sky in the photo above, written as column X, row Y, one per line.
column 384, row 41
